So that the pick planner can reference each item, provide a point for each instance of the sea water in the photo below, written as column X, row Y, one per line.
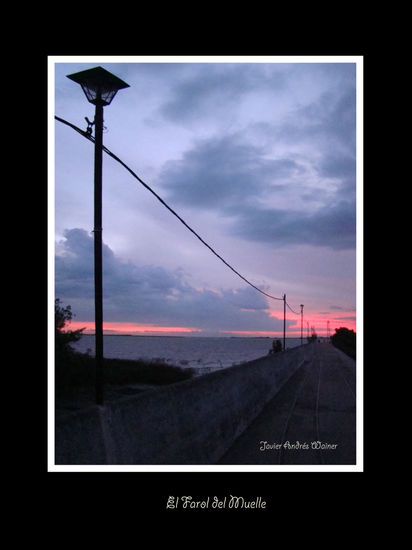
column 204, row 354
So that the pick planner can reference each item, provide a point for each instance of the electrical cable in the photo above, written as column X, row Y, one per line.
column 296, row 313
column 107, row 151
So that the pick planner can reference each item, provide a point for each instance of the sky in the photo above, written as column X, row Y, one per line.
column 258, row 156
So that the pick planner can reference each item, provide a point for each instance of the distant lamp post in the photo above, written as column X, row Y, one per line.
column 301, row 324
column 100, row 87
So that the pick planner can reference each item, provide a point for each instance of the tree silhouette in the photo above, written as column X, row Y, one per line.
column 63, row 315
column 345, row 340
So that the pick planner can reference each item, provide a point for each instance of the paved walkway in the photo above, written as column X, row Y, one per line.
column 312, row 420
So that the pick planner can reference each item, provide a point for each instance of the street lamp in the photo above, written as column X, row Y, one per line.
column 301, row 324
column 100, row 87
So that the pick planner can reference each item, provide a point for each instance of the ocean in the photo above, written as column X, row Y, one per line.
column 204, row 354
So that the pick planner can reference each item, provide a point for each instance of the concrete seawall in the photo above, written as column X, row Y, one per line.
column 191, row 422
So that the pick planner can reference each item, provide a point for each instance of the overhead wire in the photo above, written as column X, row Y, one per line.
column 88, row 136
column 295, row 312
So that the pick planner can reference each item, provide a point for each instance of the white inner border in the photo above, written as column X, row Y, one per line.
column 358, row 60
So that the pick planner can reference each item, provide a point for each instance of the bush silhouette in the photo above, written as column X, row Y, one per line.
column 345, row 340
column 63, row 338
column 75, row 370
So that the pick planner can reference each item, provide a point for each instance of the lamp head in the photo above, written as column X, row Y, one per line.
column 99, row 85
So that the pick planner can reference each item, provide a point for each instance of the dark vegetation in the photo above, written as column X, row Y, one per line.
column 345, row 340
column 74, row 370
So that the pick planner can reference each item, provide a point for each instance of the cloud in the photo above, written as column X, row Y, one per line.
column 152, row 294
column 328, row 123
column 337, row 166
column 303, row 192
column 267, row 199
column 219, row 173
column 206, row 89
column 331, row 226
column 348, row 318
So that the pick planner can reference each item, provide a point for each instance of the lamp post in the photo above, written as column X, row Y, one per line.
column 100, row 87
column 301, row 324
column 284, row 322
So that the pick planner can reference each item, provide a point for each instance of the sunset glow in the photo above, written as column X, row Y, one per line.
column 317, row 321
column 130, row 328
